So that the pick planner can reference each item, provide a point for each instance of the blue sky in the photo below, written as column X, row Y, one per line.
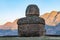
column 14, row 9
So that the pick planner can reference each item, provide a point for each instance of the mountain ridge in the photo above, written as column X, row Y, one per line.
column 9, row 25
column 52, row 18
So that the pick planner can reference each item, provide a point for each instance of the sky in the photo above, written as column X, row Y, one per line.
column 15, row 9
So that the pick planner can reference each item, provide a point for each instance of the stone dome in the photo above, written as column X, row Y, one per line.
column 32, row 10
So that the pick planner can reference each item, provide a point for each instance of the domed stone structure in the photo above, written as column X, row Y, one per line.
column 32, row 10
column 32, row 25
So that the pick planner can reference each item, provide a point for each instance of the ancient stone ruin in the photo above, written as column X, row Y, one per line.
column 31, row 25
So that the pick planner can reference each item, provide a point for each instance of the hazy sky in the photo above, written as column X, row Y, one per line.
column 14, row 9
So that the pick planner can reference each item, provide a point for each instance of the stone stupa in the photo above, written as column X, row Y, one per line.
column 32, row 25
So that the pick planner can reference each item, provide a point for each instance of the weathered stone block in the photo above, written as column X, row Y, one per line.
column 32, row 25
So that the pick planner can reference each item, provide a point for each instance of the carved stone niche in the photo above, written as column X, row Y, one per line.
column 32, row 25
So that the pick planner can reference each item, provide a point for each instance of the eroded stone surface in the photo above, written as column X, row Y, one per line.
column 31, row 30
column 32, row 25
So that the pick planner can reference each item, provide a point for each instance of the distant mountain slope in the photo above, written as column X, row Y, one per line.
column 52, row 18
column 52, row 30
column 9, row 25
column 8, row 32
column 52, row 21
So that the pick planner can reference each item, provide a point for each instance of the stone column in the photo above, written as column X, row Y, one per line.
column 31, row 25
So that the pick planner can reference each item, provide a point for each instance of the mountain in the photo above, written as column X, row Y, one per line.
column 9, row 29
column 52, row 25
column 10, row 25
column 52, row 21
column 51, row 18
column 8, row 32
column 52, row 30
